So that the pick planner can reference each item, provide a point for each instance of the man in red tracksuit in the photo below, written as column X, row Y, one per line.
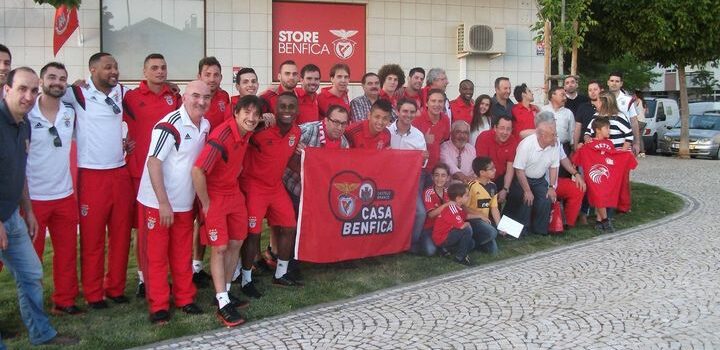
column 142, row 108
column 215, row 178
column 103, row 182
column 210, row 72
column 166, row 200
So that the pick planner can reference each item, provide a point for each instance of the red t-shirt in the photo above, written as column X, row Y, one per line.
column 524, row 118
column 326, row 98
column 219, row 105
column 269, row 154
column 358, row 135
column 418, row 98
column 307, row 106
column 500, row 153
column 605, row 170
column 433, row 200
column 441, row 130
column 270, row 97
column 222, row 158
column 385, row 96
column 461, row 111
column 450, row 218
column 142, row 109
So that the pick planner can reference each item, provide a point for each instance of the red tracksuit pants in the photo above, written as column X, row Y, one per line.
column 105, row 199
column 60, row 216
column 164, row 247
column 571, row 197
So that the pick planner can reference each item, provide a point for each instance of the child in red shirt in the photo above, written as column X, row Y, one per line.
column 451, row 233
column 435, row 199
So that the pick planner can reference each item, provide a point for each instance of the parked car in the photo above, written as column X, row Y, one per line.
column 660, row 115
column 704, row 136
column 704, row 107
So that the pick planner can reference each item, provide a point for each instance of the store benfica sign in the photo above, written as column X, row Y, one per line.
column 320, row 33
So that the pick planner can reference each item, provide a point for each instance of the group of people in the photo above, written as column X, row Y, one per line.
column 203, row 169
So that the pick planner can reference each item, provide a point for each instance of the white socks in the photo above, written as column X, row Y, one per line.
column 223, row 299
column 246, row 277
column 140, row 277
column 236, row 274
column 197, row 266
column 281, row 269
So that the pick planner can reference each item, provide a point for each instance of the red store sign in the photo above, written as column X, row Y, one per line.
column 320, row 33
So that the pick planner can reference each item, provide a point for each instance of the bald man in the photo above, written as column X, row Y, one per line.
column 165, row 202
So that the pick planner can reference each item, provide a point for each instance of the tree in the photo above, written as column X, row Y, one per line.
column 637, row 74
column 670, row 32
column 58, row 3
column 706, row 82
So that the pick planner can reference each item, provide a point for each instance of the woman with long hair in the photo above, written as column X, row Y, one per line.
column 620, row 128
column 482, row 120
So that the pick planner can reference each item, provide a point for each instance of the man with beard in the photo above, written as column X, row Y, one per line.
column 499, row 144
column 413, row 88
column 223, row 205
column 288, row 77
column 586, row 112
column 337, row 94
column 16, row 234
column 501, row 103
column 307, row 94
column 103, row 182
column 457, row 153
column 261, row 181
column 5, row 64
column 50, row 184
column 166, row 198
column 574, row 99
column 142, row 108
column 462, row 106
column 360, row 106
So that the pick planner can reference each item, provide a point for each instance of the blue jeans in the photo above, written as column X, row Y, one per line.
column 484, row 235
column 459, row 242
column 535, row 217
column 417, row 245
column 23, row 263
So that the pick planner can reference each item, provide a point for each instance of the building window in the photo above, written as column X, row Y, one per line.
column 133, row 29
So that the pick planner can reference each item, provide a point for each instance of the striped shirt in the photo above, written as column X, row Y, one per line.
column 620, row 130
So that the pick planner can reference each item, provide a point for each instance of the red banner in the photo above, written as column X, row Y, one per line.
column 356, row 203
column 320, row 33
column 66, row 21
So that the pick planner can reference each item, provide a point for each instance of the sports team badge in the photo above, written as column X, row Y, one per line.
column 151, row 223
column 344, row 47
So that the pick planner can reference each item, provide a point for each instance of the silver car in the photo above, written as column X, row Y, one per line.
column 704, row 136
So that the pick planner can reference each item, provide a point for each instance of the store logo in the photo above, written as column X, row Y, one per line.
column 344, row 47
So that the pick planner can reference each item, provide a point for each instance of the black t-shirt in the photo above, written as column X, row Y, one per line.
column 586, row 113
column 574, row 104
column 14, row 141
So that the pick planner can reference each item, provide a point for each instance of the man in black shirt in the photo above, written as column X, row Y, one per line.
column 586, row 112
column 574, row 99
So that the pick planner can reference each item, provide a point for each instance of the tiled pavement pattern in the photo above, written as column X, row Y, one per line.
column 653, row 287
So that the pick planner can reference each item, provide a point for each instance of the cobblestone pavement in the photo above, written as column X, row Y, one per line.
column 653, row 287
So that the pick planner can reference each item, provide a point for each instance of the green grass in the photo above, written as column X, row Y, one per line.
column 127, row 325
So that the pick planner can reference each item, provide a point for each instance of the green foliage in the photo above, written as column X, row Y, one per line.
column 637, row 74
column 58, row 3
column 564, row 34
column 706, row 82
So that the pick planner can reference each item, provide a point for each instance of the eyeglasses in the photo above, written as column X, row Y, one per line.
column 337, row 122
column 56, row 141
column 115, row 107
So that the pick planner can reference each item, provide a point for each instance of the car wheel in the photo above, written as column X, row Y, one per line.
column 717, row 155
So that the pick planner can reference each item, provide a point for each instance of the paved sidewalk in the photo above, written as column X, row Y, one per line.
column 653, row 287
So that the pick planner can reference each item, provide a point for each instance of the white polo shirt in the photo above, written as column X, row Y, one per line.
column 98, row 130
column 624, row 105
column 177, row 142
column 535, row 160
column 48, row 167
column 413, row 139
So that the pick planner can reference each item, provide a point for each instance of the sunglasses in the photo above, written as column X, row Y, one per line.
column 56, row 140
column 115, row 107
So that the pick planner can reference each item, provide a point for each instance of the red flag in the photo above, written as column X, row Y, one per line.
column 66, row 21
column 356, row 203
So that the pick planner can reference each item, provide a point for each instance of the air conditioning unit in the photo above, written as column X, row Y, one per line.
column 480, row 39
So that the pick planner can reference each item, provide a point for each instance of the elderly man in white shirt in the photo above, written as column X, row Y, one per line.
column 531, row 194
column 564, row 118
column 457, row 153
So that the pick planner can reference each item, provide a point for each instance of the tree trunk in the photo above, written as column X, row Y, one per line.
column 684, row 151
column 573, row 60
column 548, row 55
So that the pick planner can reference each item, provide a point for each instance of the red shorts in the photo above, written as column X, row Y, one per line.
column 226, row 220
column 271, row 202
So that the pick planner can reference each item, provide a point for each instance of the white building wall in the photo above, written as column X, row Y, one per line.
column 238, row 32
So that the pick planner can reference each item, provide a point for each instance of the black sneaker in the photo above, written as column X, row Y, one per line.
column 599, row 227
column 160, row 317
column 229, row 316
column 66, row 310
column 464, row 261
column 608, row 226
column 98, row 305
column 192, row 309
column 251, row 291
column 286, row 281
column 120, row 299
column 140, row 291
column 202, row 279
column 234, row 301
column 443, row 252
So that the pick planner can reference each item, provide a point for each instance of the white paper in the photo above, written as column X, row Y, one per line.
column 510, row 226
